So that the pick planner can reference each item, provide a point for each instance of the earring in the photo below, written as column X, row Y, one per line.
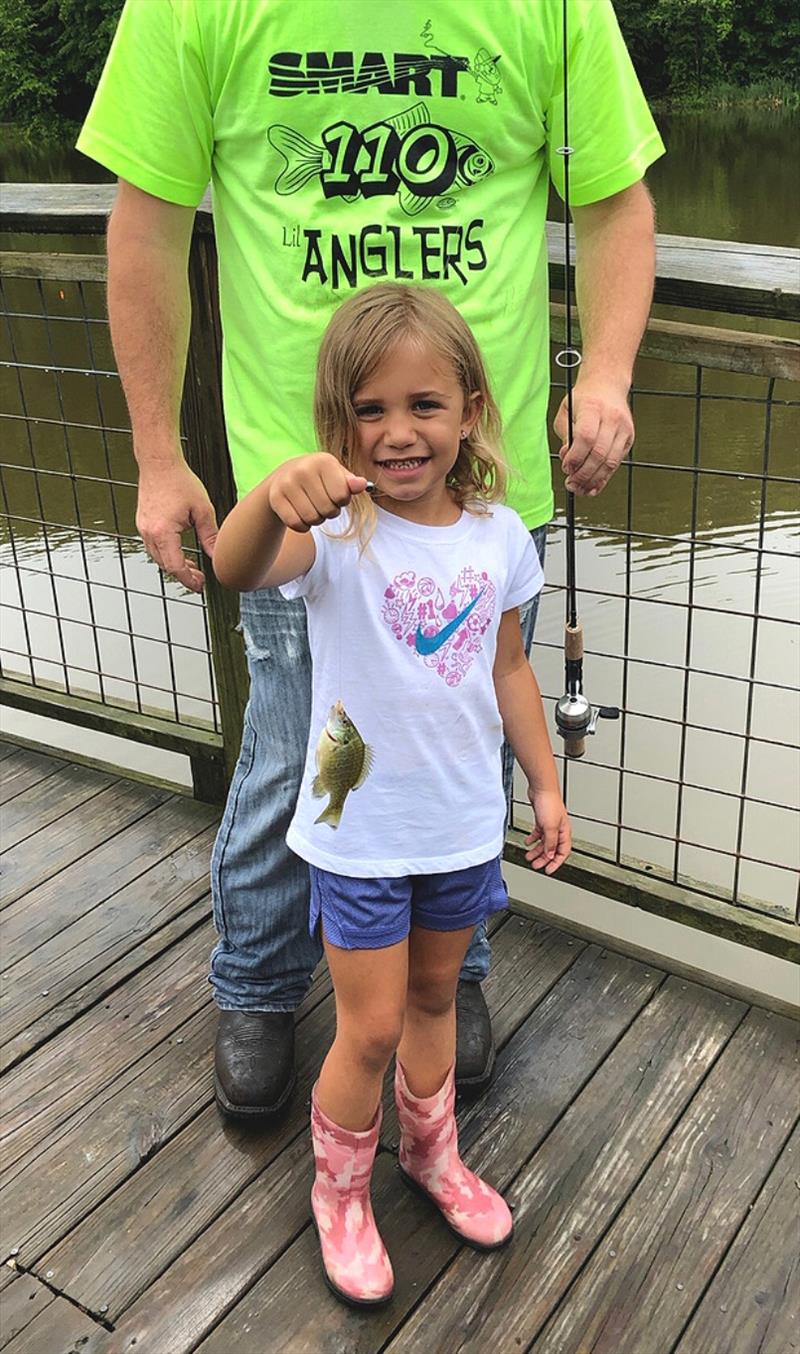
column 464, row 434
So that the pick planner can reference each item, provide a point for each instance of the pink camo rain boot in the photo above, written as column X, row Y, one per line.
column 357, row 1268
column 429, row 1161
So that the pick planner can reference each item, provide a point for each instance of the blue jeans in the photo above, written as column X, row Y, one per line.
column 264, row 958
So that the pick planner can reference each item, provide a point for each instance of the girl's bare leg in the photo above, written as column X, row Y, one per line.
column 427, row 1048
column 370, row 988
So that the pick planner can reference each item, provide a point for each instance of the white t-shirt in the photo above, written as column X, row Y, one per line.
column 404, row 637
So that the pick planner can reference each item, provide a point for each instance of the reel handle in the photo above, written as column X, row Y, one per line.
column 573, row 642
column 573, row 653
column 574, row 715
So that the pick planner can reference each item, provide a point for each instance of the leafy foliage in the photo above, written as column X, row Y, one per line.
column 684, row 48
column 51, row 56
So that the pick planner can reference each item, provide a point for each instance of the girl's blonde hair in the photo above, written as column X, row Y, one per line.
column 363, row 331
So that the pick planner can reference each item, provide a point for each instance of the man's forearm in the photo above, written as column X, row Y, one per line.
column 149, row 313
column 615, row 269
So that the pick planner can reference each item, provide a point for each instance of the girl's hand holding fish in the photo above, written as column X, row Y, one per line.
column 264, row 541
column 309, row 490
column 551, row 840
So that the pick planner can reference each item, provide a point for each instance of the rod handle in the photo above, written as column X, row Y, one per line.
column 573, row 642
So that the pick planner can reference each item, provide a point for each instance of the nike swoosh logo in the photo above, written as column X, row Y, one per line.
column 425, row 644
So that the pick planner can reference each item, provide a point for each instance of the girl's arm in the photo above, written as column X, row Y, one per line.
column 266, row 540
column 522, row 712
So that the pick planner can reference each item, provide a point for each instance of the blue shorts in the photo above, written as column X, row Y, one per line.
column 367, row 914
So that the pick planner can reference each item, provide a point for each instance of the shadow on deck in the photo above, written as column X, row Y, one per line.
column 643, row 1127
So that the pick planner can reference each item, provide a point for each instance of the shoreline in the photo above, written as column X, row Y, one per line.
column 730, row 98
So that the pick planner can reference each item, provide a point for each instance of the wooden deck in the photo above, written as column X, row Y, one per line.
column 643, row 1127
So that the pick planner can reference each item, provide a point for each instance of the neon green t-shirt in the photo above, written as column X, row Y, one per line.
column 351, row 141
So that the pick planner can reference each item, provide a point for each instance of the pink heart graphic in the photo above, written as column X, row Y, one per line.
column 412, row 605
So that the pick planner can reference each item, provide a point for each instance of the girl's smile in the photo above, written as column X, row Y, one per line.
column 403, row 468
column 412, row 413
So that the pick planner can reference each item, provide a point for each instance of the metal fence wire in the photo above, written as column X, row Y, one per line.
column 688, row 590
column 83, row 610
column 688, row 577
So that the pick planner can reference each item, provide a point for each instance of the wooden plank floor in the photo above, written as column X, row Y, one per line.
column 643, row 1127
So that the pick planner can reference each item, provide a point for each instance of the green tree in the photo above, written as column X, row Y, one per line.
column 683, row 48
column 764, row 42
column 645, row 43
column 51, row 56
column 694, row 33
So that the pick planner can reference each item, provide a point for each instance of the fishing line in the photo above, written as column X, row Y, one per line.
column 374, row 493
column 575, row 717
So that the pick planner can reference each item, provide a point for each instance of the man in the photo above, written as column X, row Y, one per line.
column 347, row 142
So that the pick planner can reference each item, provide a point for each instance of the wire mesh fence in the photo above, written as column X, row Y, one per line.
column 688, row 590
column 84, row 611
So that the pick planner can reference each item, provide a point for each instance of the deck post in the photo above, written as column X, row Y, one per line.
column 207, row 454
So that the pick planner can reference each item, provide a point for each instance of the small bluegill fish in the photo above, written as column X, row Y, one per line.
column 343, row 763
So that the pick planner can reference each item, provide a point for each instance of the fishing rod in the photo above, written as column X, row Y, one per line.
column 576, row 717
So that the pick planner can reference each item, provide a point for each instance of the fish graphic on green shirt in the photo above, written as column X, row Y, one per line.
column 455, row 161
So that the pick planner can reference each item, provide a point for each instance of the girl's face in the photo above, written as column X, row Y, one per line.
column 411, row 413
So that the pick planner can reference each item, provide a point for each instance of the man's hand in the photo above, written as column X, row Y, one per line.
column 614, row 273
column 602, row 434
column 171, row 499
column 311, row 489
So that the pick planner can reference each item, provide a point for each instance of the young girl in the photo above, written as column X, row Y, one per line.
column 418, row 671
